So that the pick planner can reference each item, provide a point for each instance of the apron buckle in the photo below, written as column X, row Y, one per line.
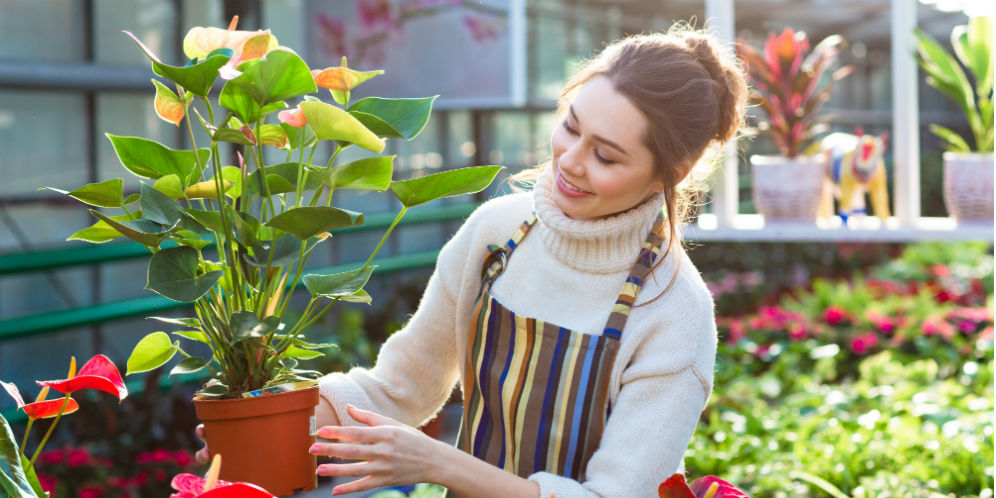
column 497, row 256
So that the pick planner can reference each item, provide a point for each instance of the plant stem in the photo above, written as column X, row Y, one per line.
column 27, row 430
column 50, row 429
column 397, row 219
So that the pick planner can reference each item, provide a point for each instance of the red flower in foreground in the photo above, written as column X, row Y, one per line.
column 191, row 486
column 99, row 373
column 705, row 487
column 40, row 409
column 834, row 315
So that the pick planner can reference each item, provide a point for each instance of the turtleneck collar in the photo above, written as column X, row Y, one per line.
column 608, row 245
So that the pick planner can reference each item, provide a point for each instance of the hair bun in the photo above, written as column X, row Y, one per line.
column 728, row 78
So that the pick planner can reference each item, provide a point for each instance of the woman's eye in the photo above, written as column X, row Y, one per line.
column 570, row 130
column 602, row 158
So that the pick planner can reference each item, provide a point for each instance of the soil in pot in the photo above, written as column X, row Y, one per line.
column 264, row 440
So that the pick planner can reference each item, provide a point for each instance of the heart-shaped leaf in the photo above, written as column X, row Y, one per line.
column 231, row 136
column 332, row 123
column 245, row 324
column 338, row 285
column 143, row 231
column 183, row 322
column 13, row 480
column 152, row 352
column 150, row 159
column 170, row 185
column 444, row 184
column 196, row 78
column 173, row 274
column 372, row 173
column 158, row 207
column 278, row 76
column 307, row 222
column 299, row 138
column 281, row 179
column 169, row 107
column 405, row 118
column 304, row 354
column 284, row 250
column 189, row 365
column 210, row 220
column 103, row 194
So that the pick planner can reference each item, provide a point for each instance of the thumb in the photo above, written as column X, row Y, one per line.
column 368, row 417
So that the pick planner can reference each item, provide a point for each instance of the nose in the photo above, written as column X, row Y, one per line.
column 570, row 159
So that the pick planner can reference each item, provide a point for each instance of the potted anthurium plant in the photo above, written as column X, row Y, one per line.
column 968, row 169
column 17, row 472
column 790, row 84
column 234, row 240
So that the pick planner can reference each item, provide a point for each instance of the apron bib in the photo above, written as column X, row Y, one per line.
column 536, row 394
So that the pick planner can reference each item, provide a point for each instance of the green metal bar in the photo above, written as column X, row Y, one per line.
column 36, row 324
column 32, row 261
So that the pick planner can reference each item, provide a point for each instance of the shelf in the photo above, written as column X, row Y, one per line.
column 752, row 227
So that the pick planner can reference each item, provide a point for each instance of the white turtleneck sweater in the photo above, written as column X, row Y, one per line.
column 569, row 273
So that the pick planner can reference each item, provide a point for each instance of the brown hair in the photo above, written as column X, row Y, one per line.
column 692, row 93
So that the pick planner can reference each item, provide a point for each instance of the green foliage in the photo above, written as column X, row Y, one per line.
column 264, row 220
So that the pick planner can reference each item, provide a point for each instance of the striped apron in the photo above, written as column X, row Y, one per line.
column 536, row 394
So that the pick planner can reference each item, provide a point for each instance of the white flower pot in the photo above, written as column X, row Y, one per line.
column 968, row 186
column 787, row 190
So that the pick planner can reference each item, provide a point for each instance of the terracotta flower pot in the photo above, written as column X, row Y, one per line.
column 968, row 187
column 787, row 190
column 264, row 440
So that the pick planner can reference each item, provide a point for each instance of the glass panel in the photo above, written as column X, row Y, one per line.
column 152, row 21
column 461, row 140
column 61, row 39
column 548, row 52
column 30, row 123
column 510, row 142
column 132, row 115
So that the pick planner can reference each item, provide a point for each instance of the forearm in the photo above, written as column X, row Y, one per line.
column 324, row 414
column 465, row 475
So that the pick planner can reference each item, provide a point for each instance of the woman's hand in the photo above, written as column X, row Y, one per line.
column 390, row 453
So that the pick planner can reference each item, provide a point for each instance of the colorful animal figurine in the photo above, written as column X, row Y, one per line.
column 854, row 166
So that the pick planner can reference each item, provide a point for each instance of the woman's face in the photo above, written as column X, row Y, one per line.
column 600, row 165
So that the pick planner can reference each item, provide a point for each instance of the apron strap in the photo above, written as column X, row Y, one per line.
column 494, row 263
column 634, row 282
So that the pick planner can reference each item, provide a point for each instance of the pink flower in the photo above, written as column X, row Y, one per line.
column 797, row 332
column 294, row 117
column 48, row 483
column 183, row 458
column 737, row 331
column 861, row 343
column 705, row 487
column 883, row 323
column 77, row 457
column 834, row 315
column 90, row 492
column 51, row 457
column 931, row 326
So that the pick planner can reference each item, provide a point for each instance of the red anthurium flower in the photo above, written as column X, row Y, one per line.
column 99, row 373
column 342, row 78
column 40, row 408
column 191, row 486
column 706, row 487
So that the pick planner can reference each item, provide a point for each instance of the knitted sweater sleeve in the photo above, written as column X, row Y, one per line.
column 417, row 366
column 653, row 416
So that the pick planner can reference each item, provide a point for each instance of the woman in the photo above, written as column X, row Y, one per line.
column 582, row 338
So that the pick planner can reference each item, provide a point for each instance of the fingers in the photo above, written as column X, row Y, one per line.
column 368, row 417
column 342, row 450
column 199, row 431
column 345, row 469
column 357, row 434
column 367, row 483
column 202, row 455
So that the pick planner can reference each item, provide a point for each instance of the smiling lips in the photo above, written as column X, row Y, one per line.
column 568, row 188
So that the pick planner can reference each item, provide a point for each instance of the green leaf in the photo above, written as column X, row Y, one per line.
column 210, row 220
column 149, row 159
column 104, row 194
column 183, row 322
column 245, row 324
column 170, row 185
column 143, row 231
column 214, row 390
column 284, row 250
column 231, row 136
column 953, row 141
column 197, row 78
column 272, row 135
column 945, row 73
column 332, row 123
column 359, row 296
column 247, row 228
column 973, row 43
column 29, row 472
column 372, row 173
column 280, row 179
column 444, row 184
column 299, row 138
column 278, row 76
column 338, row 285
column 189, row 365
column 173, row 274
column 159, row 207
column 193, row 335
column 308, row 345
column 13, row 481
column 304, row 354
column 405, row 117
column 307, row 222
column 288, row 363
column 152, row 352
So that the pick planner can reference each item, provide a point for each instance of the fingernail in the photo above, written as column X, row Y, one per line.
column 313, row 449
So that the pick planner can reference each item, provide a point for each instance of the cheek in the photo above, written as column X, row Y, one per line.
column 559, row 141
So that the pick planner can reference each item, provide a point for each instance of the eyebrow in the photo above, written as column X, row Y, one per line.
column 604, row 140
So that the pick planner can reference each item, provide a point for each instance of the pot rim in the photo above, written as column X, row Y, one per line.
column 948, row 155
column 777, row 159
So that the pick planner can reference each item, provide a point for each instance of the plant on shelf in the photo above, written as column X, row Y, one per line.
column 790, row 85
column 973, row 50
column 18, row 478
column 968, row 169
column 234, row 240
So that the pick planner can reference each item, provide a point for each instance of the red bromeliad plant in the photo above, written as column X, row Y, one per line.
column 791, row 85
column 17, row 474
column 704, row 487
